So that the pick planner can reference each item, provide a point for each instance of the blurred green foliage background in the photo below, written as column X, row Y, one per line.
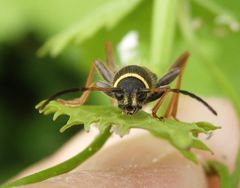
column 209, row 29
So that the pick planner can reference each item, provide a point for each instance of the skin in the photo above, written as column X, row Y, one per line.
column 141, row 160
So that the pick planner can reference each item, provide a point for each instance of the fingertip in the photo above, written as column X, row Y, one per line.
column 139, row 161
column 225, row 141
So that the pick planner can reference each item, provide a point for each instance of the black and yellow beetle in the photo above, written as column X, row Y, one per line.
column 133, row 86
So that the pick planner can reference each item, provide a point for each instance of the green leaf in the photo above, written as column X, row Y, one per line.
column 222, row 171
column 108, row 14
column 179, row 134
column 206, row 126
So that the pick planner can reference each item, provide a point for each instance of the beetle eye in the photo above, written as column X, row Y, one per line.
column 141, row 96
column 119, row 96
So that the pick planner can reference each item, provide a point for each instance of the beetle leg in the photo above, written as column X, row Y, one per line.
column 106, row 74
column 174, row 70
column 168, row 77
column 103, row 71
column 158, row 104
column 105, row 85
column 173, row 104
column 83, row 98
column 181, row 61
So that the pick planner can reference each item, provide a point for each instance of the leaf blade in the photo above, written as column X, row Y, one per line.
column 107, row 15
column 179, row 134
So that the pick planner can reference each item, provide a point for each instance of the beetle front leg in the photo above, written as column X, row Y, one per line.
column 158, row 104
column 104, row 72
column 83, row 98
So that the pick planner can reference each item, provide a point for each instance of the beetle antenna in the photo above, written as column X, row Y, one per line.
column 72, row 90
column 195, row 97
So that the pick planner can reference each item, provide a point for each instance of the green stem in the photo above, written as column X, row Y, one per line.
column 222, row 171
column 214, row 71
column 235, row 178
column 163, row 29
column 65, row 166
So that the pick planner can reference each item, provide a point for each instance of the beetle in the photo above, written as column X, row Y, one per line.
column 133, row 86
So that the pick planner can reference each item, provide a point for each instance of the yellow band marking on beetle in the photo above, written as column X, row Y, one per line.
column 131, row 75
column 134, row 99
column 125, row 101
